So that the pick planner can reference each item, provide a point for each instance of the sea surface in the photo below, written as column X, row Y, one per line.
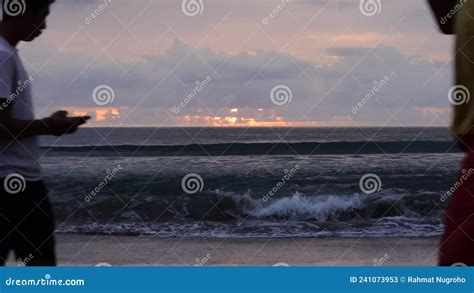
column 255, row 182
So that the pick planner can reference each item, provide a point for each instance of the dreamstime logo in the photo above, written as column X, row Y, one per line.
column 200, row 262
column 200, row 85
column 90, row 18
column 21, row 87
column 192, row 183
column 274, row 13
column 103, row 95
column 463, row 177
column 14, row 7
column 281, row 95
column 14, row 183
column 46, row 281
column 459, row 264
column 107, row 179
column 378, row 262
column 370, row 7
column 445, row 19
column 288, row 175
column 281, row 264
column 370, row 183
column 192, row 7
column 378, row 85
column 459, row 95
column 24, row 262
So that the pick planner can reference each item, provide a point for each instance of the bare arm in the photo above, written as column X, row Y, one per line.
column 15, row 128
column 57, row 124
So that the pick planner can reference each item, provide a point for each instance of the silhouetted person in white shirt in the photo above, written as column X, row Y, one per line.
column 26, row 219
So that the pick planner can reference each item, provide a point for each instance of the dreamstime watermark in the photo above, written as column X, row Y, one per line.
column 377, row 86
column 91, row 17
column 459, row 95
column 370, row 7
column 465, row 175
column 46, row 281
column 200, row 262
column 192, row 183
column 378, row 262
column 281, row 95
column 103, row 95
column 110, row 175
column 200, row 85
column 370, row 183
column 14, row 183
column 287, row 177
column 21, row 87
column 281, row 264
column 267, row 19
column 452, row 12
column 14, row 7
column 192, row 7
column 24, row 262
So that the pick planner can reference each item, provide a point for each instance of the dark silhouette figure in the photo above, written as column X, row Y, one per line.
column 26, row 220
column 457, row 243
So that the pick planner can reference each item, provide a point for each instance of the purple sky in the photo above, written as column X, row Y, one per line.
column 326, row 62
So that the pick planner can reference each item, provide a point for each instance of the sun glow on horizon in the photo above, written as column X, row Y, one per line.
column 232, row 121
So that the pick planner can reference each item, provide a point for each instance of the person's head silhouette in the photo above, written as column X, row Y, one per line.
column 26, row 19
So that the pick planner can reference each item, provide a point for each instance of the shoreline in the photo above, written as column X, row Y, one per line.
column 92, row 250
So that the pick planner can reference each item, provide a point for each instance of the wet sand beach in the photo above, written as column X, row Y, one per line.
column 87, row 250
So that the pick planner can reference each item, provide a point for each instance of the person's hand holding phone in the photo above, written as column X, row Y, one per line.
column 60, row 124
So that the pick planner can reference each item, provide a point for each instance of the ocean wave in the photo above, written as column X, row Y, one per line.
column 337, row 210
column 320, row 208
column 257, row 229
column 258, row 149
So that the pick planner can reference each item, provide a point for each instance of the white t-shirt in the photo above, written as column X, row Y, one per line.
column 19, row 156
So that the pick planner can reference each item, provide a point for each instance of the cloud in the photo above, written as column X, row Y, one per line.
column 153, row 57
column 320, row 92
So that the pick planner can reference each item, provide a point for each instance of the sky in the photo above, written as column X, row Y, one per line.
column 243, row 63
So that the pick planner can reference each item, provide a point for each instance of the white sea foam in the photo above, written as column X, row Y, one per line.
column 318, row 208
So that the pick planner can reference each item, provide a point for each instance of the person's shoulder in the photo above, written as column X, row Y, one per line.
column 6, row 57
